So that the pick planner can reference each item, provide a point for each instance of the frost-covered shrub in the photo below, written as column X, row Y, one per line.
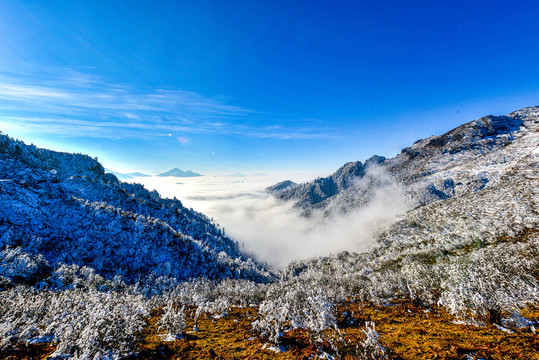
column 15, row 264
column 218, row 308
column 290, row 306
column 240, row 292
column 422, row 282
column 470, row 276
column 77, row 277
column 201, row 291
column 172, row 321
column 151, row 286
column 492, row 280
column 84, row 324
column 194, row 292
column 370, row 348
column 21, row 313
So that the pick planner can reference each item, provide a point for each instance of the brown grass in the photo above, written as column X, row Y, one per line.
column 27, row 352
column 406, row 331
column 410, row 332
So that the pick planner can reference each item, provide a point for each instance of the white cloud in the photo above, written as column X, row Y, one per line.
column 17, row 92
column 69, row 105
column 273, row 231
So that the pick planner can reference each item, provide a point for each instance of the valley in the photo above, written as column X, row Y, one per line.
column 94, row 267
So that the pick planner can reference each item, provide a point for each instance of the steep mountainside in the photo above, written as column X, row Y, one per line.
column 475, row 253
column 61, row 208
column 475, row 249
column 466, row 159
column 311, row 195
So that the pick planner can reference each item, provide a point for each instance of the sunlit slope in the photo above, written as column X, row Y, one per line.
column 466, row 159
column 474, row 251
column 65, row 208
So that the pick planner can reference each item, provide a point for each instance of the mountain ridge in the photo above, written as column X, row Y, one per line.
column 127, row 176
column 472, row 251
column 180, row 173
column 424, row 168
column 281, row 186
column 66, row 208
column 138, row 174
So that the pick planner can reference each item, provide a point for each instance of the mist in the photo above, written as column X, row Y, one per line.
column 275, row 232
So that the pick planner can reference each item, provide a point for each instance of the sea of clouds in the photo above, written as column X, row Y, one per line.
column 273, row 231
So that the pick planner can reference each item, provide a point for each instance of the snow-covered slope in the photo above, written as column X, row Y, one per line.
column 317, row 193
column 65, row 208
column 281, row 186
column 473, row 245
column 466, row 159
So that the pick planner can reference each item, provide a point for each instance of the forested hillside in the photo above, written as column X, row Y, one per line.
column 60, row 208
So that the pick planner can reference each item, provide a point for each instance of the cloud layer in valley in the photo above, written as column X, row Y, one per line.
column 273, row 231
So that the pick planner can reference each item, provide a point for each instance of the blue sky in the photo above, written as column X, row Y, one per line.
column 224, row 86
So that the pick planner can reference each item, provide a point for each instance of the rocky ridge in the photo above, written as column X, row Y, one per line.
column 466, row 159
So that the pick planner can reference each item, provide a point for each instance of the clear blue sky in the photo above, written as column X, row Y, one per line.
column 258, row 85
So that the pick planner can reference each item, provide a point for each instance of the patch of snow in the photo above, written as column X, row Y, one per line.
column 503, row 329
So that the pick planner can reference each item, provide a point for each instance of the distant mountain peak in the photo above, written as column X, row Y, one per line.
column 120, row 176
column 127, row 176
column 180, row 173
column 138, row 174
